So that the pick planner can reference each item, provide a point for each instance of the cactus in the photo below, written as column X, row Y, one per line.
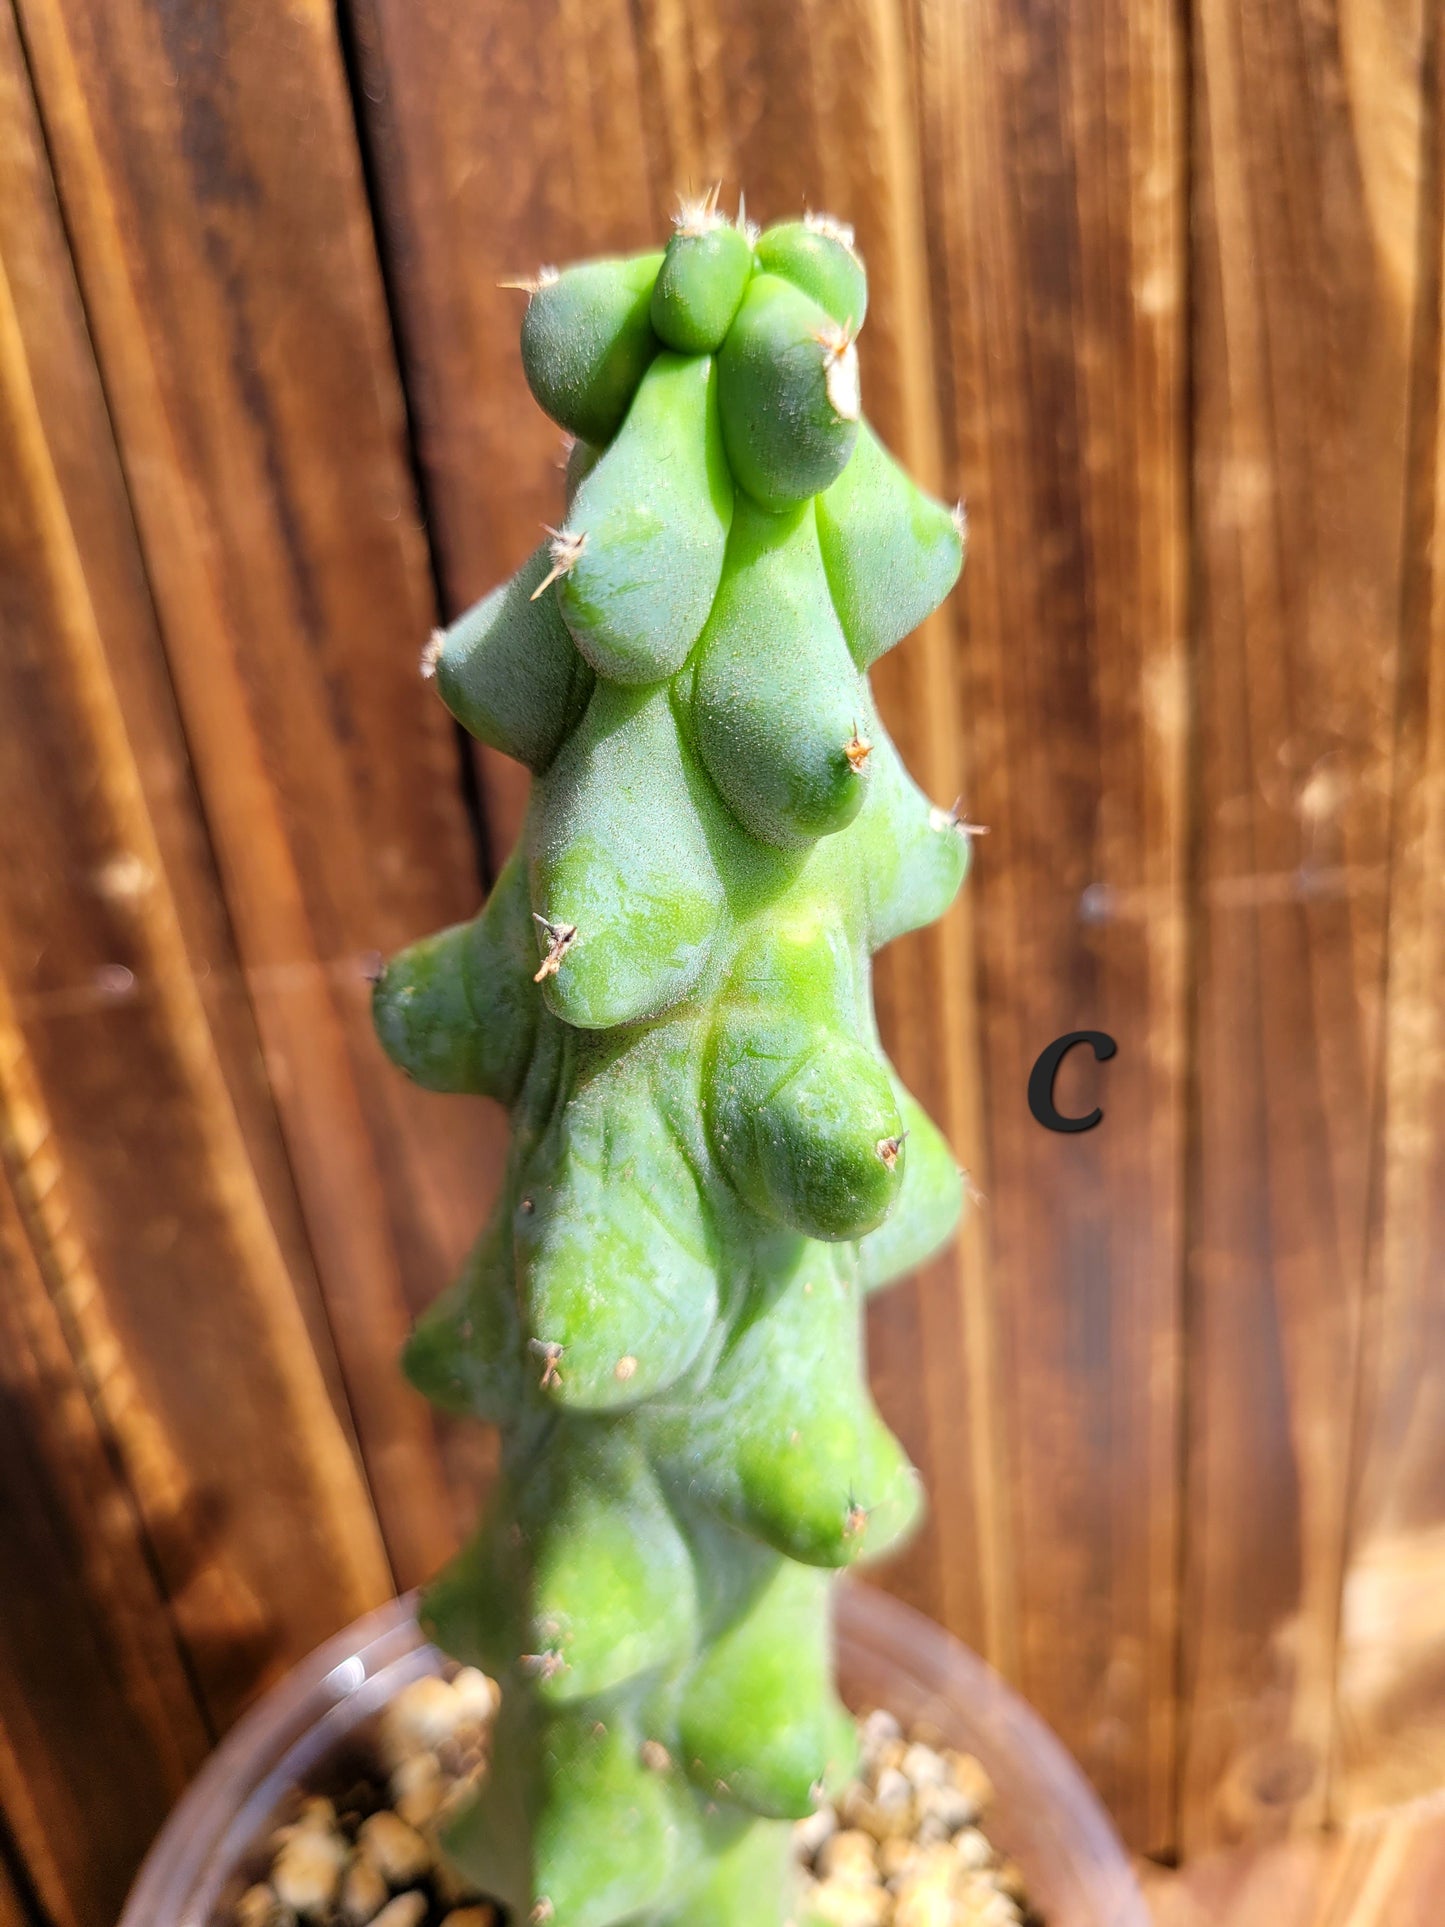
column 712, row 1160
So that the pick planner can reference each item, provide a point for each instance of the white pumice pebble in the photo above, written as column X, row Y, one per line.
column 946, row 1804
column 891, row 1789
column 307, row 1871
column 925, row 1906
column 883, row 1822
column 972, row 1850
column 993, row 1910
column 421, row 1716
column 879, row 1727
column 363, row 1891
column 923, row 1766
column 934, row 1867
column 897, row 1859
column 407, row 1910
column 842, row 1903
column 478, row 1698
column 848, row 1856
column 418, row 1788
column 398, row 1851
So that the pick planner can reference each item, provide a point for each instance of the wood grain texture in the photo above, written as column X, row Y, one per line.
column 1389, row 1872
column 501, row 139
column 1307, row 122
column 522, row 138
column 208, row 168
column 1055, row 191
column 1389, row 1729
column 166, row 1379
column 190, row 1087
column 99, row 1725
column 121, row 1083
column 13, row 1910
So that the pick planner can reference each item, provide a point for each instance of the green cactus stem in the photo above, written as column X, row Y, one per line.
column 712, row 1160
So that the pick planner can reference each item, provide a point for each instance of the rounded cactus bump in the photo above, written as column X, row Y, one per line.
column 712, row 1161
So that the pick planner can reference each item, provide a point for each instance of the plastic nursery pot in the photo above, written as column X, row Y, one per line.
column 1045, row 1816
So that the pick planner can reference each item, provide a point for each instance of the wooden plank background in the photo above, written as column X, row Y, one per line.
column 1158, row 291
column 1307, row 217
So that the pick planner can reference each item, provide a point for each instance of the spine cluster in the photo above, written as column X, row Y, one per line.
column 712, row 1161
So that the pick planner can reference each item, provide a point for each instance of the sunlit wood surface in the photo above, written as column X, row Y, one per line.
column 1388, row 1871
column 1158, row 291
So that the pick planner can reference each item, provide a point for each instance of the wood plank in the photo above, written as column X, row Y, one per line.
column 208, row 167
column 13, row 1910
column 1388, row 1872
column 1276, row 1886
column 524, row 138
column 1055, row 169
column 99, row 1725
column 1390, row 1706
column 55, row 363
column 501, row 139
column 162, row 1276
column 1304, row 271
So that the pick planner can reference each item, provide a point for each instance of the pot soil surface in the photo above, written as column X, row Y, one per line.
column 904, row 1845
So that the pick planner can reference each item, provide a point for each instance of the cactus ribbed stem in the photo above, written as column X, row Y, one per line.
column 712, row 1161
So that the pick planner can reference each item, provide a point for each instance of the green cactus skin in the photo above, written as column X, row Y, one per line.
column 787, row 394
column 817, row 255
column 703, row 278
column 712, row 1161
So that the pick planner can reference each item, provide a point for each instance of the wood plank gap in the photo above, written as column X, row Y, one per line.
column 494, row 144
column 366, row 81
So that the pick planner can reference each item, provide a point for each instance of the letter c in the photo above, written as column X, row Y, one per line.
column 1046, row 1069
